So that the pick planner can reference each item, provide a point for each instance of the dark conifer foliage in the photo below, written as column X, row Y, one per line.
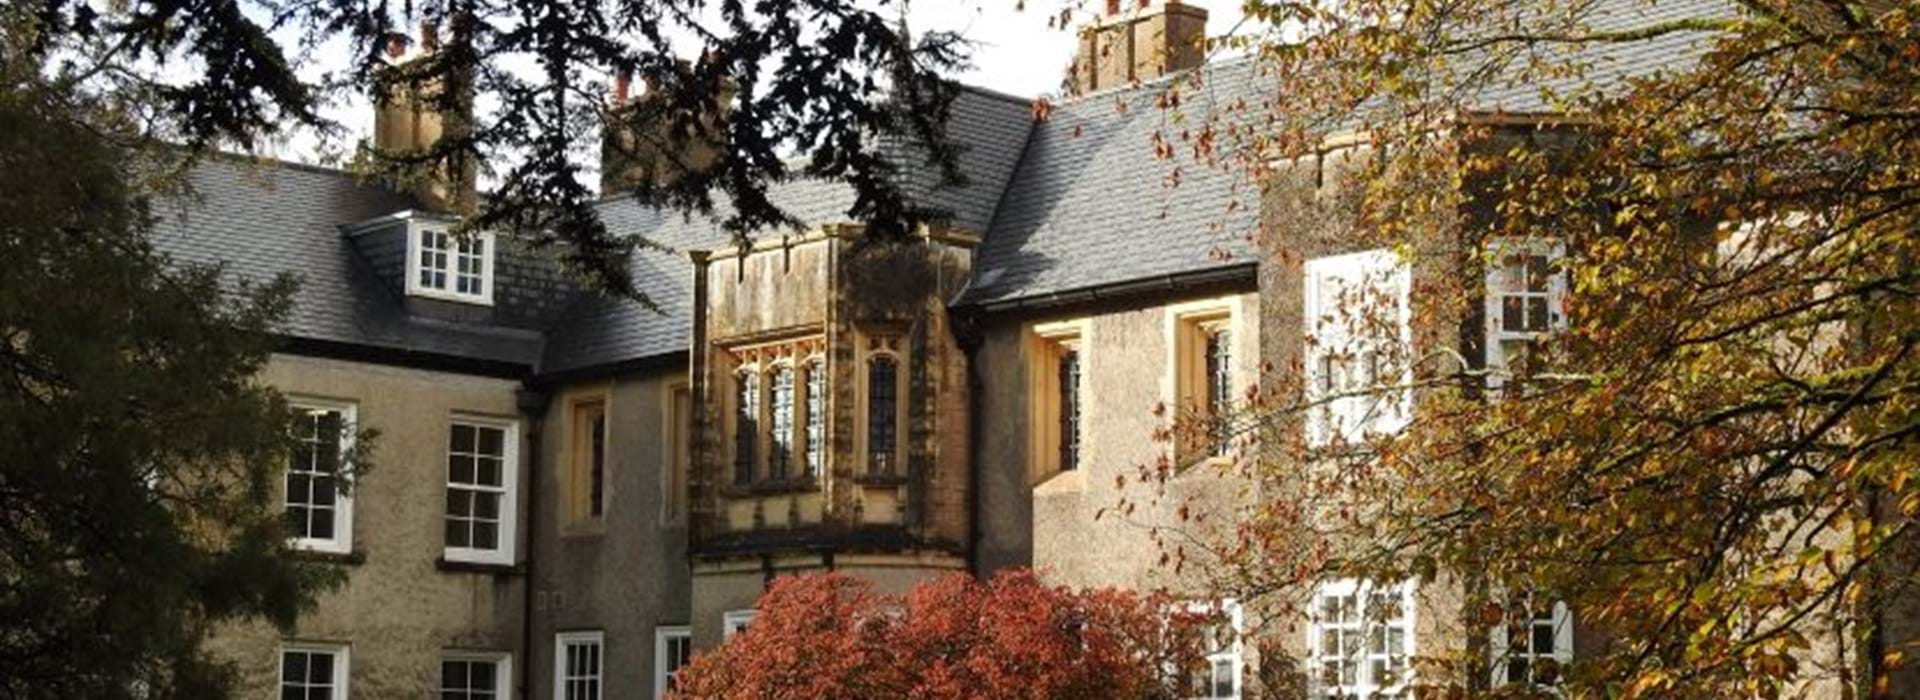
column 806, row 88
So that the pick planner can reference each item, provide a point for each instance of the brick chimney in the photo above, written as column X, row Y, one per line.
column 406, row 121
column 1136, row 40
column 639, row 134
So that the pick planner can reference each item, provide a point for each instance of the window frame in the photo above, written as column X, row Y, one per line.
column 581, row 501
column 1363, row 626
column 896, row 348
column 778, row 463
column 490, row 250
column 561, row 640
column 1236, row 653
column 342, row 660
column 1047, row 345
column 677, row 425
column 342, row 540
column 1499, row 643
column 502, row 668
column 506, row 554
column 733, row 622
column 813, row 405
column 1190, row 328
column 1493, row 354
column 1342, row 411
column 738, row 392
column 663, row 635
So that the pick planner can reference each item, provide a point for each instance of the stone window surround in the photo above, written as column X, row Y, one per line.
column 1188, row 326
column 1046, row 344
column 342, row 540
column 576, row 511
column 677, row 425
column 505, row 553
column 892, row 344
column 761, row 359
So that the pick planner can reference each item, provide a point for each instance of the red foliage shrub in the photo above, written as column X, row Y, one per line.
column 831, row 636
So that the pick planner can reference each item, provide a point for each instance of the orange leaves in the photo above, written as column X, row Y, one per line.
column 830, row 636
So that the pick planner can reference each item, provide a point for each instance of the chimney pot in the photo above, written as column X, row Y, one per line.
column 622, row 86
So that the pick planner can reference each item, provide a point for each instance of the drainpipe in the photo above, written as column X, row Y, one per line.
column 966, row 330
column 533, row 405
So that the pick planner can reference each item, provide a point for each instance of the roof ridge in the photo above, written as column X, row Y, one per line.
column 1159, row 81
column 274, row 161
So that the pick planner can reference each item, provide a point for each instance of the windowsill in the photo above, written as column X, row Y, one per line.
column 1195, row 463
column 477, row 567
column 583, row 529
column 349, row 558
column 880, row 480
column 764, row 488
column 1069, row 481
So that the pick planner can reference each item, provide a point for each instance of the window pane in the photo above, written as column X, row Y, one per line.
column 486, row 535
column 597, row 466
column 320, row 524
column 781, row 420
column 816, row 418
column 460, row 468
column 1069, row 371
column 486, row 506
column 459, row 532
column 1536, row 313
column 459, row 502
column 488, row 473
column 746, row 425
column 462, row 439
column 482, row 675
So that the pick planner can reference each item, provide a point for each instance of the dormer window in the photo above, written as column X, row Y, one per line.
column 445, row 266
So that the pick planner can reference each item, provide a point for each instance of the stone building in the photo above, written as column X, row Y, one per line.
column 572, row 492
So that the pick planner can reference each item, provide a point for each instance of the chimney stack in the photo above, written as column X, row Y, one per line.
column 410, row 119
column 1138, row 40
column 645, row 140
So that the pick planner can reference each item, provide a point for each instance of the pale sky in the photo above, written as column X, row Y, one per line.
column 1015, row 52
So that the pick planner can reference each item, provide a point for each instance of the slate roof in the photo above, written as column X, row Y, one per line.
column 599, row 330
column 1090, row 204
column 1114, row 188
column 264, row 219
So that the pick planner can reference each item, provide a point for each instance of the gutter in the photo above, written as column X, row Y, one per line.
column 1241, row 275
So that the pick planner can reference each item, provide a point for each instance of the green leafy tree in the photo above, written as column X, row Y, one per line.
column 140, row 460
column 1712, row 460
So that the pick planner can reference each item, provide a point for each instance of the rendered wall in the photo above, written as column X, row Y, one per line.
column 398, row 610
